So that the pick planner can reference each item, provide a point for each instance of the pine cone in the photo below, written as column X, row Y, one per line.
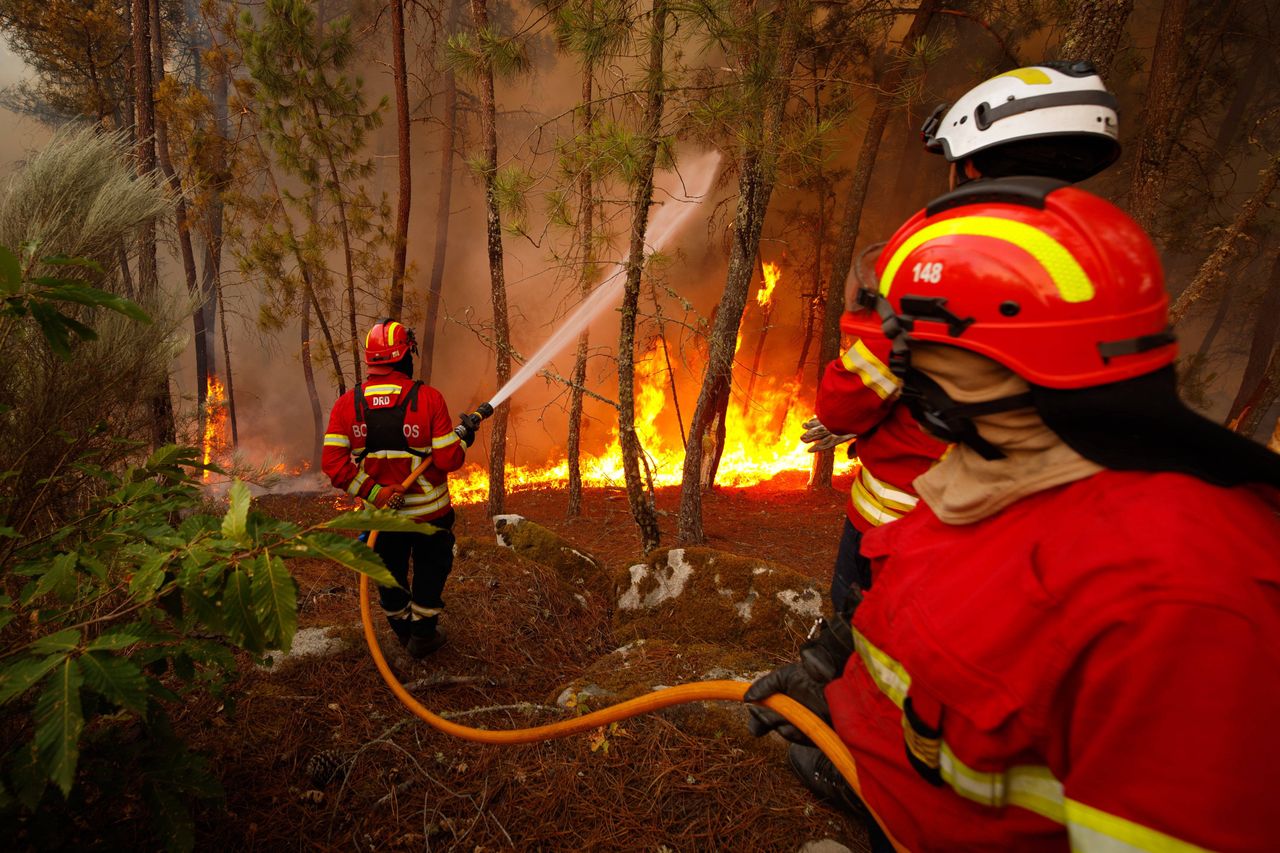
column 325, row 766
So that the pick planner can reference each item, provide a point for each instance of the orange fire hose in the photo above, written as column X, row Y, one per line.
column 822, row 735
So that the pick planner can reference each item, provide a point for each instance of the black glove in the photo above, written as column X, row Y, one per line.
column 466, row 428
column 827, row 650
column 791, row 680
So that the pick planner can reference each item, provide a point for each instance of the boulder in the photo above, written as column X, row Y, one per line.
column 699, row 595
column 537, row 543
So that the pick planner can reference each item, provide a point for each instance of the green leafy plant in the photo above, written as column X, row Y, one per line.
column 115, row 616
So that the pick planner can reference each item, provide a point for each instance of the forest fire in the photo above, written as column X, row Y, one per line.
column 771, row 273
column 214, row 443
column 761, row 440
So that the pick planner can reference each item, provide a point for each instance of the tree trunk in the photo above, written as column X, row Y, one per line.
column 498, row 287
column 1146, row 184
column 1265, row 330
column 211, row 275
column 641, row 508
column 1215, row 266
column 757, row 173
column 348, row 260
column 183, row 222
column 144, row 129
column 400, row 74
column 434, row 289
column 309, row 376
column 1094, row 32
column 585, row 278
column 842, row 260
column 226, row 368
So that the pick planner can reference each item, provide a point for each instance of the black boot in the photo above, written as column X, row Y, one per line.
column 822, row 778
column 420, row 647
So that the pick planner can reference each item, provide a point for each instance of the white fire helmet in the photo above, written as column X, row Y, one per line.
column 1055, row 120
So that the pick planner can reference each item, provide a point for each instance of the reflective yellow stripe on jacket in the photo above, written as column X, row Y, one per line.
column 877, row 501
column 1032, row 787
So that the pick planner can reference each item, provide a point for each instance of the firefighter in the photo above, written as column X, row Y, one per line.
column 378, row 433
column 1054, row 120
column 1075, row 639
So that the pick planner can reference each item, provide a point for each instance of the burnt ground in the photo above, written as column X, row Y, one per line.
column 689, row 778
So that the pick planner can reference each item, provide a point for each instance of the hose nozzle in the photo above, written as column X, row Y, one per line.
column 469, row 423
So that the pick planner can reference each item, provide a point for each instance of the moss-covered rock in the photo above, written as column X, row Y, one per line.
column 537, row 543
column 692, row 595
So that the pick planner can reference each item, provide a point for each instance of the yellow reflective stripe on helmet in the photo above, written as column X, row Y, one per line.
column 887, row 673
column 1033, row 787
column 871, row 370
column 1030, row 76
column 1093, row 829
column 1072, row 283
column 370, row 390
column 333, row 439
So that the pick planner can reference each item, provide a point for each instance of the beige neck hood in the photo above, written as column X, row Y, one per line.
column 964, row 487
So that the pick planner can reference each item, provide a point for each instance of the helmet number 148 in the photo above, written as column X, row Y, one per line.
column 931, row 273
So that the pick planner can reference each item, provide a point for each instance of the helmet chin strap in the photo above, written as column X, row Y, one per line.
column 929, row 402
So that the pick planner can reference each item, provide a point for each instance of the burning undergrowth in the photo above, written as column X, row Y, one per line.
column 318, row 754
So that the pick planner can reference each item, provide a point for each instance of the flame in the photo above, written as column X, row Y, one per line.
column 771, row 275
column 214, row 442
column 762, row 440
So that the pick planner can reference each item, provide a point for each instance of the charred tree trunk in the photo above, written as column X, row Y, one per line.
column 1265, row 332
column 585, row 278
column 1215, row 266
column 641, row 508
column 443, row 199
column 1146, row 185
column 498, row 286
column 401, row 78
column 1095, row 31
column 309, row 376
column 841, row 261
column 211, row 275
column 757, row 172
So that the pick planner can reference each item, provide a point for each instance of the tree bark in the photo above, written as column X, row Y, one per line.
column 585, row 278
column 226, row 368
column 443, row 200
column 757, row 172
column 850, row 225
column 211, row 275
column 1146, row 184
column 1215, row 266
column 348, row 260
column 309, row 376
column 1094, row 32
column 144, row 130
column 641, row 508
column 400, row 75
column 183, row 221
column 1265, row 331
column 498, row 287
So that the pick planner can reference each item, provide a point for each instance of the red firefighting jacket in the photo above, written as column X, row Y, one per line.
column 428, row 430
column 1097, row 666
column 858, row 394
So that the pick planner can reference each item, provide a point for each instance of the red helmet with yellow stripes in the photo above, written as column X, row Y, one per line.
column 1057, row 284
column 387, row 343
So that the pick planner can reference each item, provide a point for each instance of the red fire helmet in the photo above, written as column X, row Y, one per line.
column 1051, row 281
column 388, row 342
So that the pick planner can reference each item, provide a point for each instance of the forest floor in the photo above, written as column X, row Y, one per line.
column 689, row 778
